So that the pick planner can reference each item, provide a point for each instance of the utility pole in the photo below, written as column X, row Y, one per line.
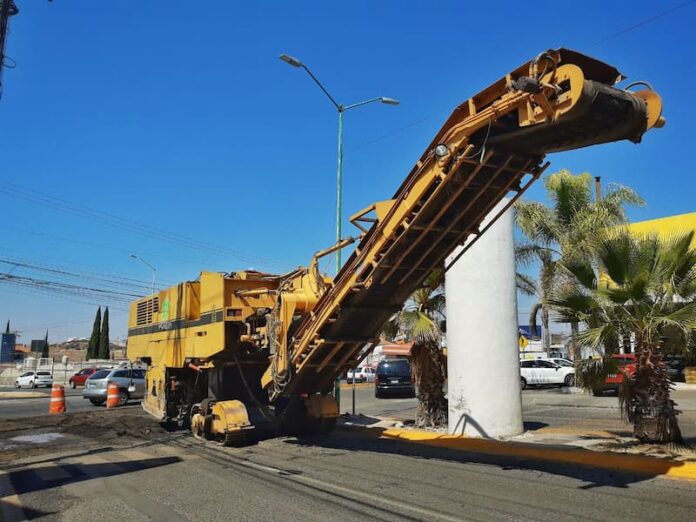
column 339, row 176
column 340, row 108
column 7, row 9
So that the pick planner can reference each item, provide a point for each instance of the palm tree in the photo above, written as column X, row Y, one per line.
column 422, row 320
column 567, row 229
column 646, row 285
column 526, row 254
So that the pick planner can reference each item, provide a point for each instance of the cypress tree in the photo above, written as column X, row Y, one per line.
column 44, row 350
column 93, row 346
column 104, row 336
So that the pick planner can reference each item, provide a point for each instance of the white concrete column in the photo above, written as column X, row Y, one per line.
column 483, row 374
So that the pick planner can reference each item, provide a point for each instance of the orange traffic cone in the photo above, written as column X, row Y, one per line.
column 113, row 397
column 57, row 404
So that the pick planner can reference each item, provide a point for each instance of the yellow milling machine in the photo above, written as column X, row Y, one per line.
column 234, row 355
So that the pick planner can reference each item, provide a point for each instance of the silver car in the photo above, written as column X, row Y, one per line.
column 131, row 384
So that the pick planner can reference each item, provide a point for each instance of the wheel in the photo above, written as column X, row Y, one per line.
column 523, row 383
column 569, row 380
column 122, row 397
column 17, row 385
column 96, row 401
column 597, row 392
column 378, row 394
column 73, row 385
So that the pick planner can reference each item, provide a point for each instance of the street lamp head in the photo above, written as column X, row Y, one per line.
column 389, row 101
column 290, row 60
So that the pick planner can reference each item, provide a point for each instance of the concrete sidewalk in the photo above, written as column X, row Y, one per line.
column 588, row 445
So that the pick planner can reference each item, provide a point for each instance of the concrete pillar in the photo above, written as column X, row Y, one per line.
column 483, row 373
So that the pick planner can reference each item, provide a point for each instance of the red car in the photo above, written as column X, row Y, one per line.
column 80, row 377
column 627, row 366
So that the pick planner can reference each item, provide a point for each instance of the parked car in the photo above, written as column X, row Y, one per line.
column 675, row 367
column 80, row 377
column 34, row 379
column 627, row 366
column 562, row 361
column 362, row 374
column 543, row 371
column 131, row 384
column 394, row 377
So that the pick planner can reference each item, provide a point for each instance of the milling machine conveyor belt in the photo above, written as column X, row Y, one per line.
column 489, row 154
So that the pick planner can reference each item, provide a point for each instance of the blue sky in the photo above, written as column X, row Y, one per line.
column 186, row 121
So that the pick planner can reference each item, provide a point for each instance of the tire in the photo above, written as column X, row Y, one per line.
column 96, row 401
column 597, row 392
column 523, row 383
column 378, row 394
column 73, row 385
column 569, row 380
column 17, row 385
column 122, row 397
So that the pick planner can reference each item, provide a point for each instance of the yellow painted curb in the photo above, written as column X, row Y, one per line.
column 357, row 385
column 639, row 464
column 21, row 395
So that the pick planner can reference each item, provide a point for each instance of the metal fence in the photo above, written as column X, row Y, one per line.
column 61, row 371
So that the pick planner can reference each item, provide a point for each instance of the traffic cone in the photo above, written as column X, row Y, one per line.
column 113, row 397
column 57, row 404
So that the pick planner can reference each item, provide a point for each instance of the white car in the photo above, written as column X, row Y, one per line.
column 34, row 380
column 543, row 371
column 561, row 361
column 362, row 374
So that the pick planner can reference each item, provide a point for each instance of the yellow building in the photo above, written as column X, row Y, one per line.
column 664, row 227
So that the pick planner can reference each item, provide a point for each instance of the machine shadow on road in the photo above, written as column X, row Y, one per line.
column 28, row 480
column 371, row 441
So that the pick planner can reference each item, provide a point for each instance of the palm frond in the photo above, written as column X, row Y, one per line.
column 526, row 284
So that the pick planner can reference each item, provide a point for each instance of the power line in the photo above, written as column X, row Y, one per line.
column 61, row 324
column 644, row 22
column 15, row 290
column 64, row 206
column 99, row 245
column 396, row 131
column 108, row 281
column 440, row 113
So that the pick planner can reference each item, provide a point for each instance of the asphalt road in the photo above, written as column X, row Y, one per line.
column 32, row 407
column 541, row 407
column 344, row 476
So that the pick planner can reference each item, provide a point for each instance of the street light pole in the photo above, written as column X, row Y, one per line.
column 339, row 176
column 154, row 270
column 341, row 109
column 339, row 186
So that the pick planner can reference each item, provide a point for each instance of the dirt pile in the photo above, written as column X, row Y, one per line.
column 20, row 438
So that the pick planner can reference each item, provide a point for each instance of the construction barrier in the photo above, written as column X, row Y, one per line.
column 113, row 396
column 57, row 404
